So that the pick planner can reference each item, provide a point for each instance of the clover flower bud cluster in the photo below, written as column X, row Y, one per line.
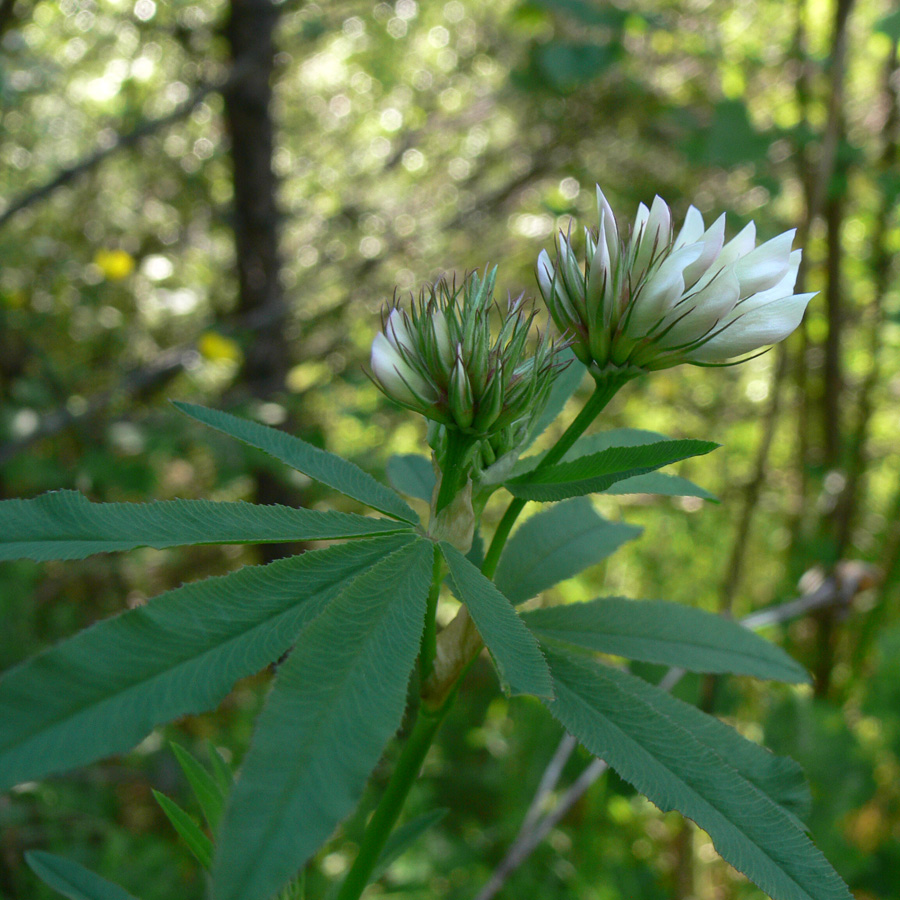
column 656, row 299
column 441, row 359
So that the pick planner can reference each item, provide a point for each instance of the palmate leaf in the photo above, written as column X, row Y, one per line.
column 103, row 690
column 66, row 525
column 319, row 464
column 666, row 633
column 649, row 742
column 73, row 880
column 515, row 652
column 338, row 699
column 557, row 544
column 598, row 471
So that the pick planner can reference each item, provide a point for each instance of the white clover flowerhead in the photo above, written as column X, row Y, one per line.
column 441, row 359
column 653, row 299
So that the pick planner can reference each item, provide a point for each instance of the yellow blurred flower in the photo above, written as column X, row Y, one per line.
column 218, row 348
column 114, row 264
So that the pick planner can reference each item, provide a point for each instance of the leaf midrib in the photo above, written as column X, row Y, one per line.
column 553, row 634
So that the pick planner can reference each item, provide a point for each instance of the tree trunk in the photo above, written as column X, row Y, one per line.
column 256, row 219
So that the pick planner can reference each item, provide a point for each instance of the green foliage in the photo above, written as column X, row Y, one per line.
column 703, row 107
column 319, row 464
column 73, row 880
column 666, row 633
column 198, row 843
column 65, row 525
column 102, row 690
column 598, row 471
column 651, row 483
column 412, row 475
column 210, row 794
column 515, row 652
column 555, row 545
column 404, row 837
column 614, row 715
column 339, row 697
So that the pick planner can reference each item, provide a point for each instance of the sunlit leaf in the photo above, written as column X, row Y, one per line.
column 598, row 471
column 650, row 483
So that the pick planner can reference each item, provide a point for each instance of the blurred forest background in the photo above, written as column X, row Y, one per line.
column 211, row 200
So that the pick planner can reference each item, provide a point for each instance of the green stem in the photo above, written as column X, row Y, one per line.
column 428, row 720
column 458, row 445
column 604, row 391
column 385, row 816
column 429, row 637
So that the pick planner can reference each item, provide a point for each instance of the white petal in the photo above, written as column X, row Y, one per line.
column 661, row 291
column 702, row 310
column 608, row 225
column 545, row 275
column 691, row 230
column 442, row 337
column 740, row 245
column 600, row 276
column 655, row 235
column 784, row 288
column 396, row 331
column 760, row 327
column 712, row 240
column 396, row 377
column 765, row 266
column 554, row 292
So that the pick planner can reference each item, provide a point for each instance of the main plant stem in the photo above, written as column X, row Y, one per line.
column 449, row 658
column 386, row 814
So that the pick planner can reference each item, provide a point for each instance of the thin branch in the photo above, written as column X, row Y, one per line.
column 834, row 593
column 123, row 141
